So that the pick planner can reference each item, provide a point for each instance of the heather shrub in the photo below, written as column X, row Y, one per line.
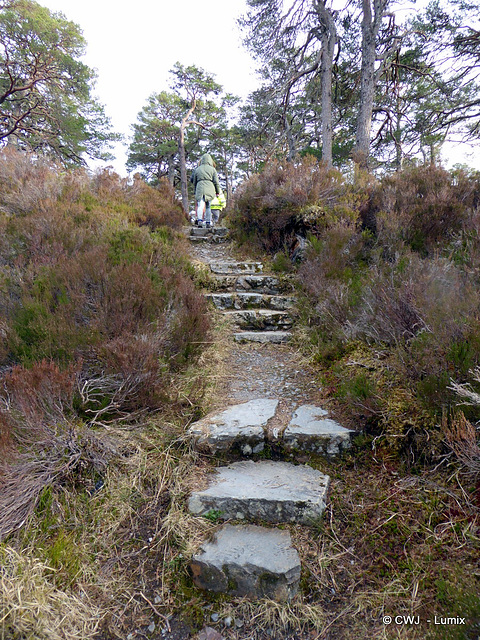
column 155, row 207
column 333, row 276
column 95, row 264
column 409, row 292
column 284, row 199
column 49, row 445
column 99, row 319
column 26, row 182
column 427, row 205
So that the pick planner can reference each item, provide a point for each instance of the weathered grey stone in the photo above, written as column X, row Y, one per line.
column 275, row 337
column 264, row 491
column 206, row 231
column 280, row 302
column 207, row 633
column 260, row 283
column 309, row 430
column 208, row 239
column 246, row 300
column 221, row 300
column 260, row 319
column 226, row 268
column 248, row 561
column 251, row 284
column 242, row 425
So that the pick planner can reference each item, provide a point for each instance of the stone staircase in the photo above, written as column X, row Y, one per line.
column 254, row 302
column 214, row 235
column 251, row 557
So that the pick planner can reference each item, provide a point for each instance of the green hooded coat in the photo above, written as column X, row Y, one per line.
column 205, row 179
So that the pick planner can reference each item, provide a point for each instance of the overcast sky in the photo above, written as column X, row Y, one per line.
column 133, row 45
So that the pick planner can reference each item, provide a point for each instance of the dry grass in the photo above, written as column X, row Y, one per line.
column 462, row 438
column 31, row 606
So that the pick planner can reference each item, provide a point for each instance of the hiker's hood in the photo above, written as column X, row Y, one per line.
column 206, row 159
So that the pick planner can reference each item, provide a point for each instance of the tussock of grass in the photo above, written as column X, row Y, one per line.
column 31, row 606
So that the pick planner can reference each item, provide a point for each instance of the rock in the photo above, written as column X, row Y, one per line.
column 309, row 430
column 207, row 633
column 202, row 232
column 265, row 284
column 242, row 426
column 248, row 300
column 221, row 300
column 260, row 319
column 225, row 268
column 151, row 627
column 275, row 337
column 248, row 283
column 248, row 561
column 264, row 491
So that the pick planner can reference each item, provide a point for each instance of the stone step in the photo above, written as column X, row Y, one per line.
column 310, row 430
column 245, row 428
column 241, row 426
column 260, row 319
column 259, row 283
column 248, row 561
column 202, row 232
column 263, row 491
column 236, row 268
column 247, row 300
column 209, row 239
column 264, row 337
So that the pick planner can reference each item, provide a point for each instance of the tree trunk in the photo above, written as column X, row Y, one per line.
column 171, row 169
column 370, row 26
column 328, row 39
column 292, row 151
column 181, row 155
column 228, row 182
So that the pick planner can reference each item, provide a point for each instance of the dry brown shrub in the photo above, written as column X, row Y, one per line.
column 268, row 206
column 124, row 378
column 328, row 271
column 428, row 206
column 47, row 444
column 388, row 311
column 156, row 206
column 462, row 438
column 26, row 182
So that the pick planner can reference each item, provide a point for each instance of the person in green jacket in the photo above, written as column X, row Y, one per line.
column 207, row 186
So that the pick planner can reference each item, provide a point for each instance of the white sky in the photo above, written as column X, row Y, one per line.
column 133, row 45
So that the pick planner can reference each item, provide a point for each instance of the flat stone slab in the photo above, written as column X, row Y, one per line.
column 275, row 337
column 264, row 491
column 310, row 430
column 208, row 239
column 260, row 319
column 249, row 283
column 204, row 231
column 242, row 425
column 246, row 300
column 248, row 561
column 226, row 268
